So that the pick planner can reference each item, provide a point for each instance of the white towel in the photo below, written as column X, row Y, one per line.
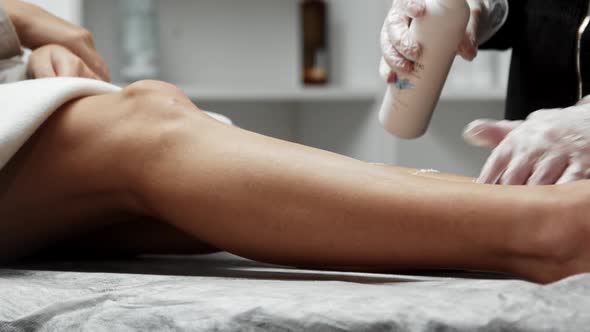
column 26, row 105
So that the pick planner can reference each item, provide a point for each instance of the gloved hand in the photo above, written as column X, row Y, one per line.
column 400, row 50
column 57, row 61
column 550, row 147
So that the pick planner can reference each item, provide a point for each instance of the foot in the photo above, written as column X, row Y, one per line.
column 562, row 243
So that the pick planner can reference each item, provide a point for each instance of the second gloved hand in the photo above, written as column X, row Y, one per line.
column 400, row 50
column 550, row 147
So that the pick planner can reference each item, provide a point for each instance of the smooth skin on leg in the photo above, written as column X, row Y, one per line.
column 148, row 152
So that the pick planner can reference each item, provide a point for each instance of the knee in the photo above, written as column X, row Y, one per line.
column 164, row 100
column 157, row 105
column 150, row 87
column 163, row 96
column 139, row 122
column 160, row 118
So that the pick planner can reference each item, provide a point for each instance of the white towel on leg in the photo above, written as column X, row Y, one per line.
column 26, row 105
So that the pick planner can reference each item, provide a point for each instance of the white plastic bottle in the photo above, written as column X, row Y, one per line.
column 410, row 101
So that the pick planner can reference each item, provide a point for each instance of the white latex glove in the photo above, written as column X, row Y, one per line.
column 400, row 50
column 550, row 147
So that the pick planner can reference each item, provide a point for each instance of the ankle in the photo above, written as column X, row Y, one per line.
column 551, row 248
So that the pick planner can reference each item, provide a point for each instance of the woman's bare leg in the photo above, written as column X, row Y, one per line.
column 148, row 151
column 284, row 203
column 69, row 187
column 126, row 238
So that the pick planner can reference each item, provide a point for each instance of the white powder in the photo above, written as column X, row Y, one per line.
column 425, row 171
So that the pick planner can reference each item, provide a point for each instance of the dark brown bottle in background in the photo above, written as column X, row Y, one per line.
column 314, row 14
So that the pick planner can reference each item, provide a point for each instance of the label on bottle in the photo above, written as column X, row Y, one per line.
column 402, row 83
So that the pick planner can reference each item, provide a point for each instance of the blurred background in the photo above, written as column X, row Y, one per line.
column 245, row 59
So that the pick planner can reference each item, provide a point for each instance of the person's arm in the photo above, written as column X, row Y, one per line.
column 37, row 28
column 60, row 48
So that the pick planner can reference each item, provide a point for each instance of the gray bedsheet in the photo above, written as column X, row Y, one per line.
column 226, row 293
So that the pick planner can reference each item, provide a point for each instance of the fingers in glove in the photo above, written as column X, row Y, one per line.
column 385, row 72
column 488, row 133
column 549, row 169
column 395, row 35
column 415, row 8
column 496, row 165
column 468, row 47
column 574, row 172
column 518, row 171
column 401, row 38
column 394, row 59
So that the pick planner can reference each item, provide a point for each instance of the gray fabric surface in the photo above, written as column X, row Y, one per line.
column 224, row 293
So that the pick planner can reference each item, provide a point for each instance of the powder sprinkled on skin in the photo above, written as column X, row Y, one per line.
column 432, row 171
column 425, row 171
column 417, row 172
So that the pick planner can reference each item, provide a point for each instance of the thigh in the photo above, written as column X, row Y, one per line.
column 65, row 179
column 82, row 172
column 128, row 237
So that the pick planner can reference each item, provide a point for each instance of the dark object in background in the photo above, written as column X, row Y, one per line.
column 314, row 14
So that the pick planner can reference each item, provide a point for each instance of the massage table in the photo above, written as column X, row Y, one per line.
column 221, row 292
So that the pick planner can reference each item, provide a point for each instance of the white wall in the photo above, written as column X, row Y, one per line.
column 442, row 147
column 70, row 10
column 235, row 44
